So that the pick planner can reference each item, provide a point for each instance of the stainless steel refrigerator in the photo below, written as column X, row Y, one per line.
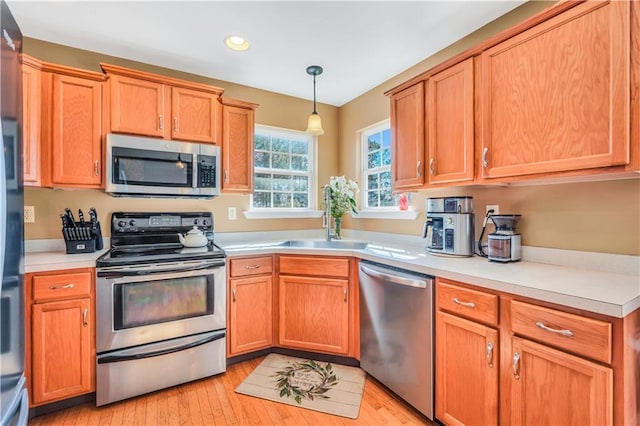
column 14, row 400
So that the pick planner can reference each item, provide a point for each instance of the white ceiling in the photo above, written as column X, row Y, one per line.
column 360, row 44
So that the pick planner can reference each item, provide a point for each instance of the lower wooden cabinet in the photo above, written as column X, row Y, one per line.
column 467, row 371
column 553, row 387
column 250, row 302
column 60, row 334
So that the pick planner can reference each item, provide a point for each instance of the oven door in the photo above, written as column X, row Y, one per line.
column 149, row 303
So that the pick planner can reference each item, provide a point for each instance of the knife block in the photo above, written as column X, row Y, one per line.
column 82, row 239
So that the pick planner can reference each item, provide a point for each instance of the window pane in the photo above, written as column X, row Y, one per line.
column 300, row 200
column 300, row 184
column 385, row 181
column 281, row 183
column 261, row 199
column 386, row 157
column 374, row 142
column 262, row 142
column 281, row 161
column 281, row 199
column 386, row 138
column 280, row 145
column 374, row 159
column 386, row 199
column 372, row 198
column 372, row 181
column 262, row 159
column 262, row 181
column 299, row 162
column 299, row 147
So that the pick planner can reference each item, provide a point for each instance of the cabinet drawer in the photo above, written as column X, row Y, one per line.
column 469, row 303
column 315, row 265
column 251, row 266
column 580, row 335
column 62, row 286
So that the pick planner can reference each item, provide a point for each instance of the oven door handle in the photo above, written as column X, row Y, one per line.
column 129, row 355
column 139, row 272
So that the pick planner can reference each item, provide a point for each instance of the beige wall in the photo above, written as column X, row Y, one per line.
column 275, row 110
column 596, row 216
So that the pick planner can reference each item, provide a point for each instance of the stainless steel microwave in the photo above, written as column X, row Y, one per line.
column 148, row 167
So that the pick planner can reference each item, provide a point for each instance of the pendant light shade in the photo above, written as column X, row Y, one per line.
column 314, row 123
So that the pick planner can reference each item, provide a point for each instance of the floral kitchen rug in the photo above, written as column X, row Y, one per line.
column 321, row 386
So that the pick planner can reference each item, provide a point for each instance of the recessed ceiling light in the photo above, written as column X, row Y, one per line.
column 236, row 43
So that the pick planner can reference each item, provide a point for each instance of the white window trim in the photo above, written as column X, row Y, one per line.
column 291, row 213
column 379, row 212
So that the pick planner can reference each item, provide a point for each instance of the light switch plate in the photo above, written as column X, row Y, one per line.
column 231, row 213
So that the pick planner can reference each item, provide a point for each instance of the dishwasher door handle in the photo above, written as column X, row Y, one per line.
column 374, row 272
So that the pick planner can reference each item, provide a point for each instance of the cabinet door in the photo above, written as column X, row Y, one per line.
column 76, row 132
column 556, row 97
column 407, row 138
column 250, row 314
column 137, row 106
column 62, row 358
column 451, row 124
column 194, row 115
column 31, row 124
column 467, row 371
column 314, row 314
column 237, row 149
column 552, row 387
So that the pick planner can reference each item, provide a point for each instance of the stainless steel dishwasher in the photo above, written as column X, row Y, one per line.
column 396, row 331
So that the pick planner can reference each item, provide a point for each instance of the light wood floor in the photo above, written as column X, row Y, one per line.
column 213, row 401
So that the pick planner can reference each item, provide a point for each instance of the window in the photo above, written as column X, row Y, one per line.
column 283, row 169
column 376, row 149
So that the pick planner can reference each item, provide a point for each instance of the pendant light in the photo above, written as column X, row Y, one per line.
column 314, row 123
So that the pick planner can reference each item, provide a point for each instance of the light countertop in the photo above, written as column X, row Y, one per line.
column 604, row 292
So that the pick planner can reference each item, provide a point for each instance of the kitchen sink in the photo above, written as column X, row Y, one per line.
column 334, row 244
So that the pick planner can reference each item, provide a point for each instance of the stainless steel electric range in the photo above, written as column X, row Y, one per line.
column 161, row 307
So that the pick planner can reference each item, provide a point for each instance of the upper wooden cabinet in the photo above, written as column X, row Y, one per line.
column 71, row 127
column 238, row 125
column 556, row 97
column 31, row 116
column 407, row 138
column 148, row 104
column 450, row 124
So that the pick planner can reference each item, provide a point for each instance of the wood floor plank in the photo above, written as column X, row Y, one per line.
column 213, row 401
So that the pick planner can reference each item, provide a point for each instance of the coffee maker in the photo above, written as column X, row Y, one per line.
column 449, row 228
column 505, row 243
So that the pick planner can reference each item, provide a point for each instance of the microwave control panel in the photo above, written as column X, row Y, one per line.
column 206, row 171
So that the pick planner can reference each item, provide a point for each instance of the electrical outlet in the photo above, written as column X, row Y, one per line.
column 231, row 213
column 29, row 214
column 495, row 207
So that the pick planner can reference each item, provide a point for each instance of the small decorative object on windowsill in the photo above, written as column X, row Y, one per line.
column 343, row 201
column 403, row 200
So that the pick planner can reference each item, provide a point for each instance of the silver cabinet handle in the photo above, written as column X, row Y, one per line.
column 345, row 294
column 567, row 333
column 160, row 121
column 84, row 317
column 61, row 287
column 96, row 167
column 175, row 124
column 431, row 164
column 252, row 267
column 490, row 354
column 226, row 176
column 516, row 365
column 465, row 304
column 485, row 151
column 418, row 168
column 234, row 294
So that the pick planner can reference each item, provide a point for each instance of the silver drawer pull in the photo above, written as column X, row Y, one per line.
column 61, row 287
column 516, row 365
column 161, row 121
column 490, row 354
column 432, row 170
column 567, row 333
column 252, row 267
column 466, row 304
column 485, row 163
column 418, row 171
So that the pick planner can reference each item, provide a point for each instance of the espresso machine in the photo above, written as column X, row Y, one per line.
column 449, row 228
column 505, row 244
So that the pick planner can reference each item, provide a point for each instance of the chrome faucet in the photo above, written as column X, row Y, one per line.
column 327, row 213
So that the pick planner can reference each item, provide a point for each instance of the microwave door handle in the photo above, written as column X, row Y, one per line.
column 196, row 170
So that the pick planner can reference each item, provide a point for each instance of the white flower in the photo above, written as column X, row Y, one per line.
column 342, row 195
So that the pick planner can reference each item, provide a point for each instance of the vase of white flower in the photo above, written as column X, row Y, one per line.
column 343, row 201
